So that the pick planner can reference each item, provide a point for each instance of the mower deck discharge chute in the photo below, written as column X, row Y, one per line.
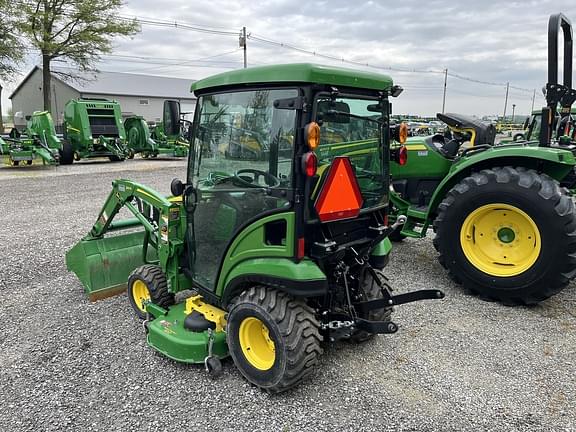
column 280, row 228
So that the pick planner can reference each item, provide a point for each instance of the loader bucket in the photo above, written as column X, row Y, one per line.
column 104, row 264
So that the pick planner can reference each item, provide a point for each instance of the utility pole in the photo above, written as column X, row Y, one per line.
column 506, row 101
column 243, row 45
column 444, row 95
column 513, row 109
column 533, row 97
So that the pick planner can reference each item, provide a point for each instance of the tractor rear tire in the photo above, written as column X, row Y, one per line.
column 508, row 234
column 273, row 338
column 66, row 154
column 116, row 159
column 371, row 291
column 148, row 283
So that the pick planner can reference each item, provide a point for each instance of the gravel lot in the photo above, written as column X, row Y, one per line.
column 67, row 364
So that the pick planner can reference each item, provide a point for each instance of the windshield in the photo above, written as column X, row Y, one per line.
column 243, row 130
column 348, row 128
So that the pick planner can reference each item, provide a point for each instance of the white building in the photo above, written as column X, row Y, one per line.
column 137, row 94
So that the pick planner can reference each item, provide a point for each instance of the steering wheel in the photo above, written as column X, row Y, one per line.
column 271, row 181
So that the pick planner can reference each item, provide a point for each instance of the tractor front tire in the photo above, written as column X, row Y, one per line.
column 508, row 234
column 273, row 338
column 148, row 283
column 371, row 290
column 66, row 154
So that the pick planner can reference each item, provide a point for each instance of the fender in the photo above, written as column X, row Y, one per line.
column 555, row 162
column 302, row 279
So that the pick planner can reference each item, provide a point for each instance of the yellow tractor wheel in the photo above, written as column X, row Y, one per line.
column 508, row 234
column 273, row 338
column 148, row 284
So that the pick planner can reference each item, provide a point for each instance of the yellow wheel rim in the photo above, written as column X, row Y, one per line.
column 140, row 294
column 257, row 347
column 500, row 240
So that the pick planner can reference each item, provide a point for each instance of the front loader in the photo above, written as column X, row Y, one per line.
column 282, row 252
column 93, row 128
column 505, row 223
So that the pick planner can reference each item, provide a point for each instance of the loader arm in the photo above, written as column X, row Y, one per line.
column 103, row 263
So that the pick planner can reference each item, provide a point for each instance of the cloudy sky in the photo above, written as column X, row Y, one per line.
column 489, row 41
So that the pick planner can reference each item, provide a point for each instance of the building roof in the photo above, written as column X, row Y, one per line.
column 297, row 73
column 122, row 84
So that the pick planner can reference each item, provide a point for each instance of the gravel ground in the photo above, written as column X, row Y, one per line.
column 460, row 364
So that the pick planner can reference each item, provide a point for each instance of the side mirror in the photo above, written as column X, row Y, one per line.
column 176, row 187
column 171, row 117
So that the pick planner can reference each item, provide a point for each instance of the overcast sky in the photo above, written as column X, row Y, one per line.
column 492, row 41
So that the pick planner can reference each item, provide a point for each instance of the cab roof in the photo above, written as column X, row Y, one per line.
column 297, row 73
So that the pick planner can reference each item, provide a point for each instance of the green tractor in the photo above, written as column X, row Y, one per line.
column 40, row 142
column 281, row 252
column 505, row 227
column 140, row 140
column 93, row 128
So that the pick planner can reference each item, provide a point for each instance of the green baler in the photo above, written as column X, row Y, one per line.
column 94, row 128
column 282, row 249
column 40, row 142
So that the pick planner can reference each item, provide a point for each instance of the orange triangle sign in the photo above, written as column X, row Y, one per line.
column 340, row 197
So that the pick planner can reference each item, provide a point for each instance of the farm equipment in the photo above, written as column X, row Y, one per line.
column 93, row 128
column 40, row 142
column 139, row 140
column 505, row 228
column 281, row 252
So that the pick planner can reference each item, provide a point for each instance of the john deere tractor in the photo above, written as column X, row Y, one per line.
column 281, row 252
column 94, row 128
column 505, row 228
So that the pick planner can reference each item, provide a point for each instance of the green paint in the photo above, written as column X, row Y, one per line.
column 383, row 248
column 139, row 140
column 40, row 142
column 167, row 334
column 506, row 235
column 94, row 128
column 298, row 74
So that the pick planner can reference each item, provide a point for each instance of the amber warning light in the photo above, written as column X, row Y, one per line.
column 340, row 197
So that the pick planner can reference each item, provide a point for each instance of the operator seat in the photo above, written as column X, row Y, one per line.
column 447, row 147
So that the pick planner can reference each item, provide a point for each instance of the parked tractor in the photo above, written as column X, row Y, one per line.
column 94, row 128
column 39, row 142
column 282, row 252
column 141, row 141
column 505, row 228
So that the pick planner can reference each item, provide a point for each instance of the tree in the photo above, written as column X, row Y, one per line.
column 76, row 31
column 11, row 52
